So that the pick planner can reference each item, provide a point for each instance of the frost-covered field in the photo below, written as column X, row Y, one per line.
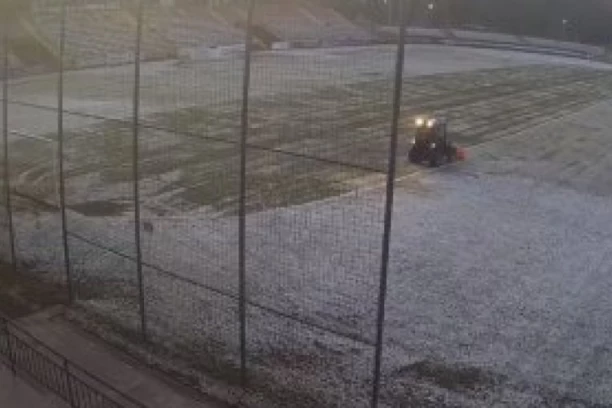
column 498, row 275
column 504, row 263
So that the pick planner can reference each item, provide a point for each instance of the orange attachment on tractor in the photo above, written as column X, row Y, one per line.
column 461, row 154
column 431, row 143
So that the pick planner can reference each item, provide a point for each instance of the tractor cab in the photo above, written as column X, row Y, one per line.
column 430, row 130
column 430, row 143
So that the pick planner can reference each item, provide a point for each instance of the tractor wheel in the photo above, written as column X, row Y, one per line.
column 413, row 157
column 434, row 160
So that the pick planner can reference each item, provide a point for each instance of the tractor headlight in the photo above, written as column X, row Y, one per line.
column 419, row 122
column 431, row 123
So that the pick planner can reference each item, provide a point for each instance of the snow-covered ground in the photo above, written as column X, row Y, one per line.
column 499, row 265
column 169, row 85
column 504, row 273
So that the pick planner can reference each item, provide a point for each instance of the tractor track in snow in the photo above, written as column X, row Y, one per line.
column 493, row 104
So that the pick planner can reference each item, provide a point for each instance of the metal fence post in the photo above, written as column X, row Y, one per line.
column 9, row 347
column 60, row 152
column 135, row 167
column 384, row 269
column 5, row 134
column 69, row 384
column 242, row 210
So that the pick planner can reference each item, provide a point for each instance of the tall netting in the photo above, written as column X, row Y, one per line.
column 189, row 181
column 317, row 149
column 32, row 148
column 5, row 237
column 98, row 35
column 232, row 219
column 99, row 159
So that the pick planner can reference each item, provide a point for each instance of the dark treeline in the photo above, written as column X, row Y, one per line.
column 577, row 20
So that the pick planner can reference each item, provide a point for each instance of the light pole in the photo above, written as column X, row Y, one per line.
column 430, row 13
column 389, row 12
column 564, row 24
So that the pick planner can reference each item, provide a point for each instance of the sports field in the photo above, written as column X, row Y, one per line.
column 497, row 292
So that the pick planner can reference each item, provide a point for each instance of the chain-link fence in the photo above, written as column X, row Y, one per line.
column 212, row 184
column 216, row 209
column 210, row 200
column 207, row 194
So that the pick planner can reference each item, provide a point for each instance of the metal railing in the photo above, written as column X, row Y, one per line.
column 28, row 356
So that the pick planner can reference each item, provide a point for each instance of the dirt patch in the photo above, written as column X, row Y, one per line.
column 100, row 208
column 430, row 384
column 22, row 293
column 450, row 377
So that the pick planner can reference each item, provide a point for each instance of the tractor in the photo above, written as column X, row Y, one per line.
column 430, row 143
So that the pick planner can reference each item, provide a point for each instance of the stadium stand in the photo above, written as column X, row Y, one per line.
column 298, row 22
column 191, row 25
column 287, row 21
column 97, row 35
column 334, row 28
column 102, row 32
column 26, row 54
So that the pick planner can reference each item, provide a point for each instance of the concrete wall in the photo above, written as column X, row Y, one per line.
column 495, row 40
